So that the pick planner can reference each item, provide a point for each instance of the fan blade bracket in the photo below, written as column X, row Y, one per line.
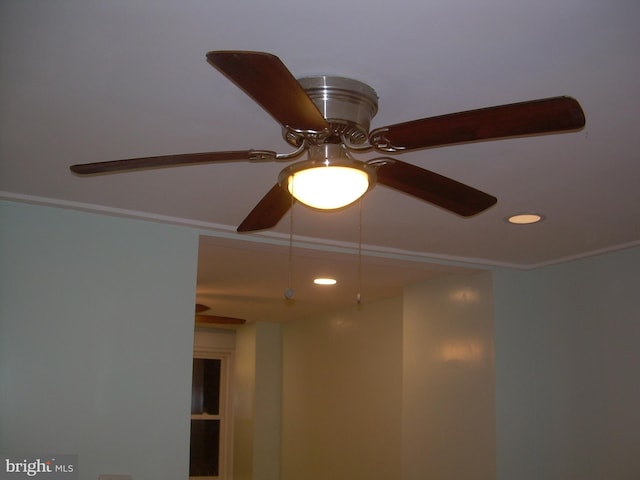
column 318, row 135
column 262, row 156
column 378, row 140
column 270, row 156
column 380, row 162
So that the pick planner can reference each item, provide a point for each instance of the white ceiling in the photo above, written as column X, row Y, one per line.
column 88, row 81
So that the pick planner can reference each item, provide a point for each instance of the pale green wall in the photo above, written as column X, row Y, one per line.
column 96, row 338
column 567, row 358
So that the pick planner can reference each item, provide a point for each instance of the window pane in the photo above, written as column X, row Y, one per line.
column 205, row 446
column 205, row 394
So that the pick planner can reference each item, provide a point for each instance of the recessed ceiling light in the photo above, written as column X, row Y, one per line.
column 325, row 281
column 525, row 218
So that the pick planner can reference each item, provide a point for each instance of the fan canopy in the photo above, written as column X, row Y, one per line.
column 347, row 105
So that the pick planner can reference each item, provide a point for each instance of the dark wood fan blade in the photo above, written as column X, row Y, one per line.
column 526, row 118
column 218, row 320
column 268, row 212
column 432, row 187
column 201, row 308
column 267, row 80
column 164, row 161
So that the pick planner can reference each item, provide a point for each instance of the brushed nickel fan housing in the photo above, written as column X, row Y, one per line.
column 348, row 106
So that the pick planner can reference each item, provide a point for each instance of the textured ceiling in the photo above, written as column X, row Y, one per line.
column 92, row 81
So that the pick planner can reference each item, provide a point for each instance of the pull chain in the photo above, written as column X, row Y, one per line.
column 359, row 294
column 289, row 293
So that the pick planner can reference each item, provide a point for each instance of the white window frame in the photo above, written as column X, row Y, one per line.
column 225, row 461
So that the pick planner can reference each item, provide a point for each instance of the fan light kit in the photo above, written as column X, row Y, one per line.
column 328, row 117
column 328, row 187
column 330, row 179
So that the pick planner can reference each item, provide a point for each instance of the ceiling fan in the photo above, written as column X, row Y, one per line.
column 328, row 118
column 208, row 320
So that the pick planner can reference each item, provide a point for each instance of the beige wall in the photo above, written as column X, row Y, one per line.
column 257, row 399
column 403, row 388
column 449, row 380
column 342, row 387
column 267, row 402
column 245, row 379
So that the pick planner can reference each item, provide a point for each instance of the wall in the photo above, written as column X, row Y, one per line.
column 342, row 387
column 268, row 402
column 96, row 339
column 567, row 357
column 448, row 429
column 403, row 388
column 258, row 387
column 244, row 386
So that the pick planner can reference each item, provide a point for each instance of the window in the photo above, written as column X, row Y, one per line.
column 210, row 451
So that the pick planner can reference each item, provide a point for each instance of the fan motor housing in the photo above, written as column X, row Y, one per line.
column 348, row 106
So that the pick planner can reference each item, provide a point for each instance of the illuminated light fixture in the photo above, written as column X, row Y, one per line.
column 525, row 218
column 329, row 179
column 325, row 281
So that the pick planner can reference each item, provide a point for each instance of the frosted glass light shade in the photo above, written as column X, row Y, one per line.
column 329, row 179
column 328, row 187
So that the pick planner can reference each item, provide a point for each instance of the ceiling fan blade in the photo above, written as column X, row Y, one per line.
column 432, row 187
column 167, row 161
column 218, row 320
column 268, row 212
column 526, row 118
column 267, row 80
column 201, row 308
